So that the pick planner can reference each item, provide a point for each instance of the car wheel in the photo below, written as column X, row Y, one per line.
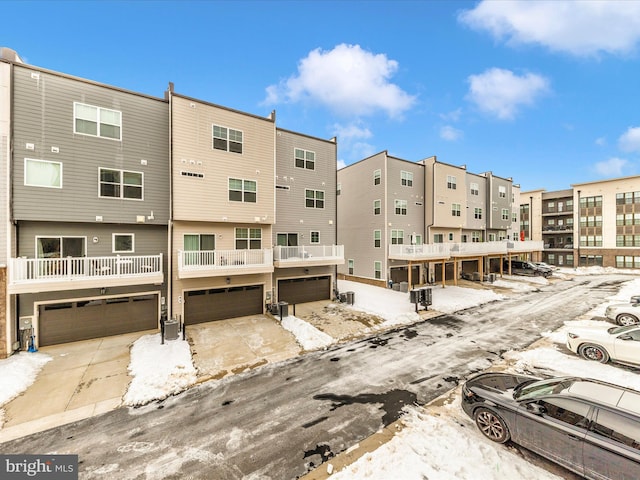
column 626, row 319
column 590, row 351
column 491, row 425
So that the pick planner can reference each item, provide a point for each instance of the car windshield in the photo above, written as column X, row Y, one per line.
column 617, row 330
column 527, row 390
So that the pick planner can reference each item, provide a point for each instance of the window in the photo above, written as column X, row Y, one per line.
column 242, row 190
column 376, row 207
column 314, row 198
column 120, row 184
column 96, row 121
column 438, row 238
column 464, row 238
column 505, row 214
column 475, row 237
column 502, row 191
column 376, row 177
column 377, row 238
column 416, row 239
column 377, row 269
column 227, row 139
column 617, row 427
column 350, row 266
column 451, row 182
column 406, row 178
column 315, row 236
column 474, row 189
column 566, row 410
column 401, row 207
column 248, row 238
column 287, row 239
column 397, row 237
column 514, row 217
column 199, row 242
column 305, row 159
column 338, row 189
column 477, row 213
column 455, row 209
column 42, row 173
column 122, row 243
column 60, row 247
column 450, row 236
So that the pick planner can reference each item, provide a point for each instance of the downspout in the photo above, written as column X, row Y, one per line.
column 12, row 233
column 334, row 287
column 386, row 222
column 170, row 256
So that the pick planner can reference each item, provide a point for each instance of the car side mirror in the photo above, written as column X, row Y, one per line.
column 625, row 337
column 535, row 408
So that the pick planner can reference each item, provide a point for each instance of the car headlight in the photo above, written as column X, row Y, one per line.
column 572, row 335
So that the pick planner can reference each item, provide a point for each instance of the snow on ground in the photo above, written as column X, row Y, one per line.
column 17, row 373
column 158, row 370
column 306, row 334
column 396, row 309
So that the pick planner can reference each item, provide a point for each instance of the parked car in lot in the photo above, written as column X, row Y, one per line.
column 587, row 426
column 521, row 267
column 623, row 313
column 545, row 265
column 618, row 344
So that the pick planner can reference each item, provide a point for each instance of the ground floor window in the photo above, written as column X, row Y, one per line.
column 350, row 266
column 627, row 261
column 590, row 260
column 377, row 268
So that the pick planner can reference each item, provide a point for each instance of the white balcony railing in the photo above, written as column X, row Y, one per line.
column 478, row 248
column 42, row 274
column 308, row 255
column 525, row 246
column 201, row 263
column 420, row 252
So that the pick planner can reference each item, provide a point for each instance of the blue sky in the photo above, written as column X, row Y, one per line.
column 545, row 92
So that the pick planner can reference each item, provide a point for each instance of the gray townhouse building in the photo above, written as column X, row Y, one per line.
column 86, row 206
column 424, row 222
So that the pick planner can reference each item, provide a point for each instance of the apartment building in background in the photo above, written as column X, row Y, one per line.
column 593, row 223
column 424, row 222
column 86, row 236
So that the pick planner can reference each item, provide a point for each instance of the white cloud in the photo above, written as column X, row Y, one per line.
column 347, row 79
column 612, row 167
column 450, row 134
column 341, row 164
column 453, row 116
column 500, row 92
column 576, row 27
column 601, row 141
column 629, row 141
column 351, row 131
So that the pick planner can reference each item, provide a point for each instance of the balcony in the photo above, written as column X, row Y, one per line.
column 216, row 263
column 308, row 256
column 31, row 275
column 546, row 229
column 426, row 252
column 478, row 248
column 524, row 246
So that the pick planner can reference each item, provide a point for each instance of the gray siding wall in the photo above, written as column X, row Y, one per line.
column 494, row 217
column 292, row 216
column 476, row 201
column 43, row 117
column 413, row 221
column 356, row 221
column 5, row 130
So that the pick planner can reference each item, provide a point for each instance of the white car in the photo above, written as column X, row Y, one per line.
column 623, row 313
column 618, row 344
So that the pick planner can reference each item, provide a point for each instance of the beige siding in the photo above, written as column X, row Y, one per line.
column 444, row 197
column 207, row 199
column 5, row 130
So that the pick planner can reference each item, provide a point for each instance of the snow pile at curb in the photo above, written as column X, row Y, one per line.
column 306, row 334
column 18, row 372
column 158, row 370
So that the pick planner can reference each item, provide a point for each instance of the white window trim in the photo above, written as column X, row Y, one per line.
column 60, row 237
column 98, row 121
column 113, row 242
column 26, row 160
column 311, row 237
column 243, row 190
column 304, row 159
column 228, row 128
column 121, row 197
column 315, row 198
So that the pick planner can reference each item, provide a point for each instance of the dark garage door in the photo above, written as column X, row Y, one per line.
column 220, row 303
column 301, row 290
column 82, row 320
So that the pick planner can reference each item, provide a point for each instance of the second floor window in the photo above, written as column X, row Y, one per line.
column 438, row 238
column 242, row 190
column 451, row 182
column 227, row 139
column 477, row 213
column 455, row 209
column 96, row 121
column 314, row 198
column 376, row 177
column 121, row 184
column 42, row 173
column 377, row 238
column 305, row 159
column 122, row 243
column 248, row 238
column 406, row 179
column 397, row 237
column 401, row 207
column 376, row 207
column 315, row 236
column 505, row 214
column 474, row 189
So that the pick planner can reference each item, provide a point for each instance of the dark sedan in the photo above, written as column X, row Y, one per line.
column 587, row 426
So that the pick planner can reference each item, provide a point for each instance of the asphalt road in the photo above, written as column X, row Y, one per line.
column 283, row 420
